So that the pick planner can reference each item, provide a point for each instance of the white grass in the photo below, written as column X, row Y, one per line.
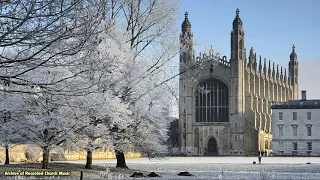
column 225, row 167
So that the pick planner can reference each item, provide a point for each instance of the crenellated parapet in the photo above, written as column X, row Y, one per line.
column 213, row 58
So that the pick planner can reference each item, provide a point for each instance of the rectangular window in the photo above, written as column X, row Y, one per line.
column 308, row 115
column 280, row 115
column 309, row 146
column 281, row 145
column 309, row 153
column 295, row 146
column 294, row 115
column 280, row 130
column 295, row 131
column 294, row 153
column 309, row 130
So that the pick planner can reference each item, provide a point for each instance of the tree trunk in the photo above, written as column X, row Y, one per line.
column 45, row 155
column 7, row 155
column 89, row 159
column 121, row 161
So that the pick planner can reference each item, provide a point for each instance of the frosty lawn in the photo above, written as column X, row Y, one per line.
column 226, row 167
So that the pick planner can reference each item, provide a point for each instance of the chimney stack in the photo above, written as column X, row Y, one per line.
column 303, row 95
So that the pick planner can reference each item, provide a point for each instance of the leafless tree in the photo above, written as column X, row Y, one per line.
column 40, row 33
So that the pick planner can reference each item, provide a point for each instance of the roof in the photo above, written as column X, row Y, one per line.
column 298, row 104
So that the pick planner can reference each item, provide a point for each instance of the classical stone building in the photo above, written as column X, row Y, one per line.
column 224, row 106
column 296, row 125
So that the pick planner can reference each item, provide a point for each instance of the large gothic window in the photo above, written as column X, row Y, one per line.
column 212, row 101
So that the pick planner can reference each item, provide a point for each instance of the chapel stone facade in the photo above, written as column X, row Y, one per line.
column 224, row 105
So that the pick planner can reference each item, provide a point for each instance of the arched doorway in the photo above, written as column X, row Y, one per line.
column 212, row 147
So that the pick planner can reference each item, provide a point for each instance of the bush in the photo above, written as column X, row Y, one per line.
column 57, row 157
column 33, row 154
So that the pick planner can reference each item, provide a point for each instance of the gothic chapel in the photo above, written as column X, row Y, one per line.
column 224, row 107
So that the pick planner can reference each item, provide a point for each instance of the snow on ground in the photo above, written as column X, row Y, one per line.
column 225, row 167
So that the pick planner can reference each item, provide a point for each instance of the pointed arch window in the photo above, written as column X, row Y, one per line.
column 212, row 101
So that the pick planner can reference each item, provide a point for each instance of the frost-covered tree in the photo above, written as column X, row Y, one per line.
column 39, row 33
column 148, row 27
column 104, row 111
column 48, row 123
column 10, row 109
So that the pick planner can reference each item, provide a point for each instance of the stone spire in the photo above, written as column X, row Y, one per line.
column 245, row 56
column 293, row 54
column 269, row 68
column 186, row 42
column 237, row 22
column 265, row 66
column 281, row 74
column 293, row 67
column 251, row 57
column 255, row 61
column 251, row 51
column 277, row 73
column 273, row 71
column 186, row 25
column 285, row 75
column 237, row 42
column 260, row 64
column 294, row 72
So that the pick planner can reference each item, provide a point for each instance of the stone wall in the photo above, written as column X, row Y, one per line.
column 28, row 153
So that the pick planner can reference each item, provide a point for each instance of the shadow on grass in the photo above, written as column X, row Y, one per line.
column 75, row 169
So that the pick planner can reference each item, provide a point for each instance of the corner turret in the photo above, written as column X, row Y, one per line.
column 293, row 72
column 237, row 22
column 186, row 25
column 237, row 39
column 186, row 41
